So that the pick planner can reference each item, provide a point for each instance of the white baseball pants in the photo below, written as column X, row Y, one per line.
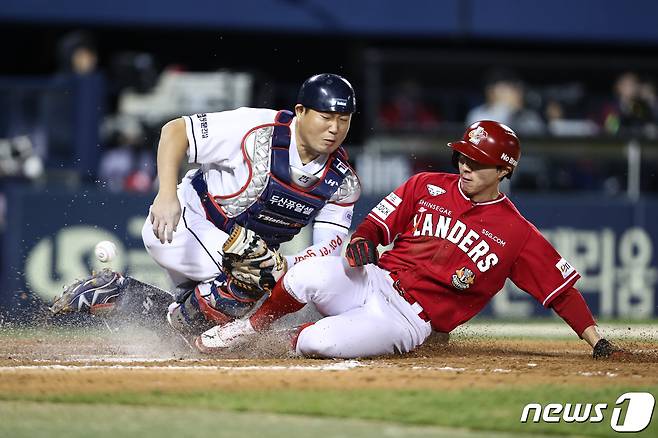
column 194, row 252
column 365, row 316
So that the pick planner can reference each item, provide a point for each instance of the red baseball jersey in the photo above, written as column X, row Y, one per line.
column 453, row 255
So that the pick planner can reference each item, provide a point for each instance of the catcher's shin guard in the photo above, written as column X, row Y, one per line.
column 223, row 297
column 207, row 305
column 185, row 315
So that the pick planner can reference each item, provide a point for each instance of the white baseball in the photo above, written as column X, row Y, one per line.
column 105, row 251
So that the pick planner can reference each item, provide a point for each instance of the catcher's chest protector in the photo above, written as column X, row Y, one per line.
column 269, row 204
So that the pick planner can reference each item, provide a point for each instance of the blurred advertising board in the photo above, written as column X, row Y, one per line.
column 50, row 234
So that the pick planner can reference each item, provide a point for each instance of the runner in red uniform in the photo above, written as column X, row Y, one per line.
column 456, row 239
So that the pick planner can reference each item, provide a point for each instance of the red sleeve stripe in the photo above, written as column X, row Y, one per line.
column 566, row 283
column 388, row 232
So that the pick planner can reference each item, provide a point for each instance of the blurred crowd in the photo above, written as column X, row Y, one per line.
column 131, row 106
column 630, row 108
column 552, row 115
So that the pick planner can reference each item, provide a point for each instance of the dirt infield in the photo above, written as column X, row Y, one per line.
column 52, row 363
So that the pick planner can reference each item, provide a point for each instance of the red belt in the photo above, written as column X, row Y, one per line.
column 408, row 298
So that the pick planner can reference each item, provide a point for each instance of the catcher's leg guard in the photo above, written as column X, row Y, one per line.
column 208, row 305
column 218, row 301
column 185, row 315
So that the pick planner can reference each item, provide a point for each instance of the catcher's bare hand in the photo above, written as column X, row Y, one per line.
column 165, row 214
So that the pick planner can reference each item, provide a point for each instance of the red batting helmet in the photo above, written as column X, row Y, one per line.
column 489, row 142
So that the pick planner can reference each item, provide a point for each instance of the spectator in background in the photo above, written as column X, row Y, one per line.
column 77, row 53
column 504, row 103
column 128, row 163
column 633, row 108
column 407, row 110
column 75, row 114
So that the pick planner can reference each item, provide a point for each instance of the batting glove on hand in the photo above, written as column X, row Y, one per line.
column 604, row 349
column 361, row 252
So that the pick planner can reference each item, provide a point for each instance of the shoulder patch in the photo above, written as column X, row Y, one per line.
column 383, row 209
column 565, row 268
column 394, row 199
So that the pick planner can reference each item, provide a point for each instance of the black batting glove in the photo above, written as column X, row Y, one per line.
column 361, row 252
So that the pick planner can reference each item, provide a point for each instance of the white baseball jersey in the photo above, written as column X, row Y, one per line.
column 215, row 142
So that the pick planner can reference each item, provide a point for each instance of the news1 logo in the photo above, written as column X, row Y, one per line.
column 638, row 412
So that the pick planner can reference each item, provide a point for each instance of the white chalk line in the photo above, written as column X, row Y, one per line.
column 340, row 366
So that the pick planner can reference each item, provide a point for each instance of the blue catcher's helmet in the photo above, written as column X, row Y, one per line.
column 327, row 92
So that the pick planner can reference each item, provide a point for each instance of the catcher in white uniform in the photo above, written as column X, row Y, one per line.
column 264, row 175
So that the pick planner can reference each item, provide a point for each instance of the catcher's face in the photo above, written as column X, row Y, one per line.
column 319, row 133
column 479, row 181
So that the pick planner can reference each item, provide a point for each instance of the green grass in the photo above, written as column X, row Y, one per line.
column 479, row 409
column 41, row 420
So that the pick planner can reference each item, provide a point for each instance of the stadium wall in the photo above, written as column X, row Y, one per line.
column 611, row 242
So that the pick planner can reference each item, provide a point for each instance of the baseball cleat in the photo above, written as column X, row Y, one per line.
column 95, row 293
column 226, row 336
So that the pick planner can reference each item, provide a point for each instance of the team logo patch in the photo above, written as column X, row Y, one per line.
column 565, row 268
column 340, row 102
column 341, row 167
column 463, row 278
column 477, row 135
column 435, row 190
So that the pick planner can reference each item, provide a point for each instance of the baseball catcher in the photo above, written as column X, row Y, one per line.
column 262, row 176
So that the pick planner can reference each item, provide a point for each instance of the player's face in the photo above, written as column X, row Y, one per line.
column 479, row 181
column 319, row 132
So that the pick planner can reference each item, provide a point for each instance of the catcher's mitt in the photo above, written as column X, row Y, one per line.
column 250, row 265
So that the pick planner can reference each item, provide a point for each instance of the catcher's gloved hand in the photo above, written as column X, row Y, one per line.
column 604, row 350
column 361, row 252
column 249, row 264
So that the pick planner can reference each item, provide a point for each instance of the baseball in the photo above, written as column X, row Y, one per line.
column 105, row 251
